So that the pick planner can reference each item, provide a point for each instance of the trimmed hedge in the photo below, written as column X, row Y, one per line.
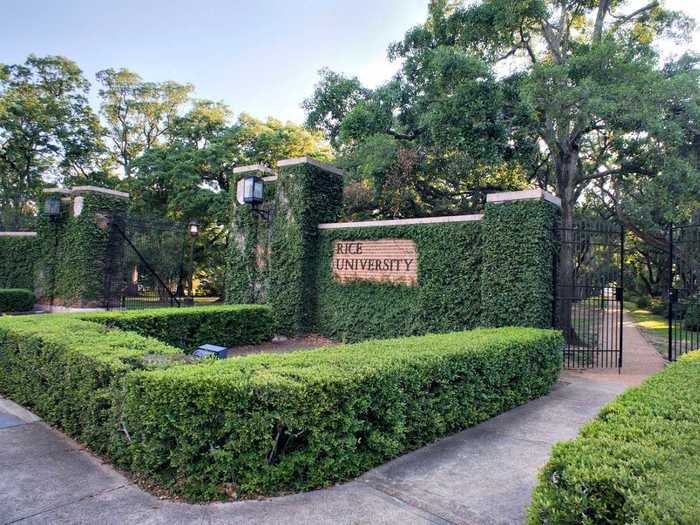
column 187, row 328
column 18, row 256
column 637, row 462
column 447, row 297
column 63, row 368
column 267, row 424
column 16, row 300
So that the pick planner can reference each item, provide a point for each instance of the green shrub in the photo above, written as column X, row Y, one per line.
column 63, row 368
column 16, row 300
column 17, row 258
column 692, row 314
column 658, row 306
column 187, row 328
column 275, row 423
column 643, row 302
column 637, row 462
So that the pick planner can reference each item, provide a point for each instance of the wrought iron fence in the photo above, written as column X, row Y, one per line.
column 146, row 267
column 589, row 293
column 684, row 293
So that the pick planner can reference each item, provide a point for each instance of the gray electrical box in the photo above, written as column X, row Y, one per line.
column 219, row 352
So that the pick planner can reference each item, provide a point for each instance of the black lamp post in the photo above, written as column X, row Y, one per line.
column 193, row 230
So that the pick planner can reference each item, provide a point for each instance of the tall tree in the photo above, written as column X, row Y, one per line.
column 47, row 128
column 138, row 114
column 572, row 91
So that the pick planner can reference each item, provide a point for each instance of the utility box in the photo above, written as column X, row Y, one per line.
column 219, row 352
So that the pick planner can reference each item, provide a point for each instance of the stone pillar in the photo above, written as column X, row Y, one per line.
column 76, row 250
column 308, row 193
column 247, row 261
column 519, row 259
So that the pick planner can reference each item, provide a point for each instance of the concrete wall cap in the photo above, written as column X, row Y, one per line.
column 87, row 189
column 254, row 167
column 507, row 196
column 97, row 189
column 17, row 234
column 308, row 160
column 400, row 222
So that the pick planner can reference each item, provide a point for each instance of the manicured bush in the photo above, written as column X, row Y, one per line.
column 272, row 423
column 187, row 328
column 447, row 297
column 63, row 369
column 18, row 256
column 637, row 462
column 16, row 300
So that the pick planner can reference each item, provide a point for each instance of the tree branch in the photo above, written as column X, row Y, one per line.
column 621, row 20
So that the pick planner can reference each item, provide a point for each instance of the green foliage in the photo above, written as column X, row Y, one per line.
column 63, row 368
column 446, row 299
column 691, row 320
column 269, row 424
column 18, row 256
column 187, row 328
column 643, row 301
column 46, row 125
column 16, row 300
column 637, row 462
column 83, row 251
column 519, row 252
column 306, row 196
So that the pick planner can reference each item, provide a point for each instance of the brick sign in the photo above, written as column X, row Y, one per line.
column 387, row 260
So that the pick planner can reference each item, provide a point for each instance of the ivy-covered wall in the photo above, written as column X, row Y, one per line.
column 519, row 250
column 74, row 250
column 247, row 262
column 17, row 260
column 497, row 271
column 306, row 195
column 446, row 299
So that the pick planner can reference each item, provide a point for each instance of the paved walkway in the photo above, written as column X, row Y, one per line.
column 639, row 360
column 483, row 475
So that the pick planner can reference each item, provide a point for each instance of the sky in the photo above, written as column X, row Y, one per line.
column 258, row 56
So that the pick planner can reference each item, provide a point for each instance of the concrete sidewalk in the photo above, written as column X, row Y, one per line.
column 483, row 475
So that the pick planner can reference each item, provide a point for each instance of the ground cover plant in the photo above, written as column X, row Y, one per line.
column 269, row 424
column 637, row 462
column 16, row 300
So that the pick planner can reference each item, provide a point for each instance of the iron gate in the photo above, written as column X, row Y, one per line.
column 684, row 293
column 146, row 263
column 589, row 293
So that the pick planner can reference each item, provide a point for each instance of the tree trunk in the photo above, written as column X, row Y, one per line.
column 567, row 169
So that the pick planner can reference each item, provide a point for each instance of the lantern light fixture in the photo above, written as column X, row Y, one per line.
column 253, row 190
column 52, row 208
column 193, row 228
